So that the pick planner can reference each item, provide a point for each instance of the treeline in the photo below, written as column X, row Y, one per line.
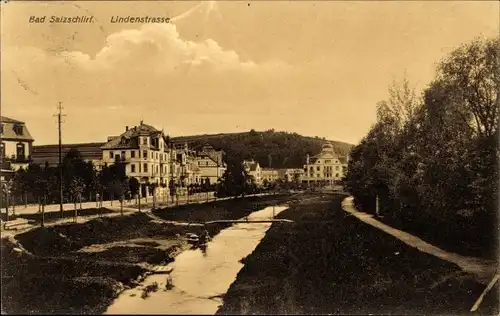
column 432, row 160
column 270, row 148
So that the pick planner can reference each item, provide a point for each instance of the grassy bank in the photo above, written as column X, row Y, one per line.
column 54, row 216
column 80, row 268
column 328, row 262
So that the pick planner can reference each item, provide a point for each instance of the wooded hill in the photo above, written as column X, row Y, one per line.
column 269, row 148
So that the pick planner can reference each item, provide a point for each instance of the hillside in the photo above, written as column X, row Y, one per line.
column 269, row 148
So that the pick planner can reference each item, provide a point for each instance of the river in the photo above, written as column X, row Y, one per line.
column 199, row 279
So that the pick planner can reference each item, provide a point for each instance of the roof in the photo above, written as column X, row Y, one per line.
column 251, row 165
column 50, row 153
column 128, row 140
column 5, row 119
column 10, row 133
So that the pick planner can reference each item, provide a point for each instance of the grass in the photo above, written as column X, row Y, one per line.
column 328, row 262
column 54, row 277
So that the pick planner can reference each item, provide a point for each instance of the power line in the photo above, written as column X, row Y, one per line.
column 59, row 124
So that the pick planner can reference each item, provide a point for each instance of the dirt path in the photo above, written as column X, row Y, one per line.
column 483, row 269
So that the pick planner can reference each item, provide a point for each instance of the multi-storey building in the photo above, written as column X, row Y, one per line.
column 326, row 168
column 210, row 163
column 269, row 175
column 254, row 170
column 145, row 151
column 15, row 146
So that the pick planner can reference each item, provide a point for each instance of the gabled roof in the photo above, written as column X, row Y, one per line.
column 128, row 140
column 251, row 165
column 9, row 131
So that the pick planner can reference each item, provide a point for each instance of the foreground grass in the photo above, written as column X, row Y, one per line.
column 328, row 262
column 53, row 275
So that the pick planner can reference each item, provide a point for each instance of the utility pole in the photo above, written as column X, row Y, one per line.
column 59, row 122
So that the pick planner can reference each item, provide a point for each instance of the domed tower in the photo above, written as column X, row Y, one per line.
column 328, row 147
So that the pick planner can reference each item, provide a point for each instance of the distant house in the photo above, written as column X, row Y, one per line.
column 269, row 175
column 326, row 168
column 291, row 174
column 211, row 165
column 15, row 146
column 254, row 170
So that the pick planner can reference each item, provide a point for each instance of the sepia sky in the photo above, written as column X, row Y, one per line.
column 315, row 68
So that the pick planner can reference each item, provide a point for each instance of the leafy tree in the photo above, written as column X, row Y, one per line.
column 76, row 189
column 235, row 180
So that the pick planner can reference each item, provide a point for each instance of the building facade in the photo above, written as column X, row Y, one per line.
column 15, row 146
column 210, row 163
column 269, row 175
column 326, row 168
column 146, row 155
column 254, row 170
column 291, row 174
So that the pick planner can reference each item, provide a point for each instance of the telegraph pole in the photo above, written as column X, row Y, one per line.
column 59, row 122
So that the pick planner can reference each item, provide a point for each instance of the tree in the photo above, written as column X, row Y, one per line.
column 235, row 180
column 134, row 185
column 152, row 187
column 120, row 187
column 76, row 189
column 470, row 75
column 7, row 193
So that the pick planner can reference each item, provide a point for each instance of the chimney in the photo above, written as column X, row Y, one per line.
column 126, row 128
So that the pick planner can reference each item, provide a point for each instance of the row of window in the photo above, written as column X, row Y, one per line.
column 326, row 175
column 145, row 168
column 318, row 168
column 123, row 155
column 20, row 149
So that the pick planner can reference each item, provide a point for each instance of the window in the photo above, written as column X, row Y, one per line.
column 20, row 151
column 1, row 128
column 337, row 168
column 312, row 169
column 328, row 161
column 123, row 155
column 132, row 168
column 145, row 167
column 2, row 149
column 117, row 157
column 145, row 154
column 156, row 169
column 110, row 155
column 18, row 129
column 157, row 155
column 152, row 155
column 206, row 163
column 145, row 141
column 317, row 168
column 132, row 154
column 337, row 175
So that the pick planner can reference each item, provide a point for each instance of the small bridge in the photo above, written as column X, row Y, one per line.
column 244, row 221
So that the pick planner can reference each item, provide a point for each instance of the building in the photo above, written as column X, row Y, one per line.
column 211, row 165
column 90, row 152
column 269, row 175
column 15, row 146
column 254, row 170
column 291, row 174
column 146, row 155
column 326, row 168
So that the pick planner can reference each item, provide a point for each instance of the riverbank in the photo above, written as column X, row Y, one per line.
column 329, row 262
column 81, row 268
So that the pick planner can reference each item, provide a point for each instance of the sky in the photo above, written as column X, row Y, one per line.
column 317, row 68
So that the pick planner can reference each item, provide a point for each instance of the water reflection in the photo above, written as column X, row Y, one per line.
column 200, row 276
